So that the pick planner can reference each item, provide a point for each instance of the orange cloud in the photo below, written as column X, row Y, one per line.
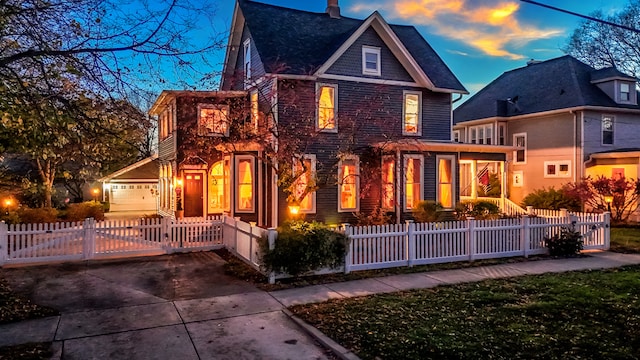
column 490, row 26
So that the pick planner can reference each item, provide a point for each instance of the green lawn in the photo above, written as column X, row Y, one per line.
column 580, row 315
column 625, row 240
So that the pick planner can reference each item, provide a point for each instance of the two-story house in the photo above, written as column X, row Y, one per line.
column 341, row 116
column 567, row 120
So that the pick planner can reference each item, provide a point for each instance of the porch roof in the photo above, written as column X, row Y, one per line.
column 422, row 145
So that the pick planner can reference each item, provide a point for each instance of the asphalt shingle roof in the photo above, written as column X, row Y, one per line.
column 559, row 83
column 302, row 41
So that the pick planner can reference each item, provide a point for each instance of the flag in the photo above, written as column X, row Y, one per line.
column 483, row 179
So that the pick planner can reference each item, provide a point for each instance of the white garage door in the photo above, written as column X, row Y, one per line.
column 133, row 197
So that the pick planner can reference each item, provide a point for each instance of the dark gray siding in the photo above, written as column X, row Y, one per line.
column 350, row 63
column 257, row 67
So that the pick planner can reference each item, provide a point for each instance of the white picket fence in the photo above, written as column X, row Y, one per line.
column 375, row 247
column 90, row 239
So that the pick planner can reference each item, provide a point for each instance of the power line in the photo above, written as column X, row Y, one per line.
column 582, row 16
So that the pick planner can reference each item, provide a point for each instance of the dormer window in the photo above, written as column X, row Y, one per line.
column 625, row 92
column 370, row 60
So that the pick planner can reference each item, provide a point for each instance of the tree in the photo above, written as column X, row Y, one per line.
column 601, row 45
column 65, row 64
column 623, row 195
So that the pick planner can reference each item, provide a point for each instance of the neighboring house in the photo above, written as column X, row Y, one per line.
column 567, row 119
column 360, row 110
column 133, row 188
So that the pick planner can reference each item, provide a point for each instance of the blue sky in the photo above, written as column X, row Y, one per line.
column 477, row 39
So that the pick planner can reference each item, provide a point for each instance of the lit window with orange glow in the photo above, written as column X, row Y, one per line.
column 216, row 188
column 327, row 107
column 388, row 175
column 413, row 171
column 245, row 177
column 254, row 111
column 348, row 184
column 411, row 113
column 213, row 120
column 306, row 169
column 445, row 181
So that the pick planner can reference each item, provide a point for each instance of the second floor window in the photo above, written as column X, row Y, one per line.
column 607, row 129
column 327, row 107
column 247, row 59
column 411, row 113
column 254, row 111
column 213, row 120
column 481, row 134
column 520, row 155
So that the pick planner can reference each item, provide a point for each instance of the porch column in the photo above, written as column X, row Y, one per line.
column 503, row 185
column 474, row 179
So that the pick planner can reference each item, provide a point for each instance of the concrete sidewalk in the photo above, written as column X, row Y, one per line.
column 247, row 325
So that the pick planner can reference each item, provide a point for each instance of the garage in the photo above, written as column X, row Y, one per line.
column 133, row 188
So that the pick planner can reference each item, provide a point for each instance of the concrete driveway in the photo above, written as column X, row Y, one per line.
column 179, row 306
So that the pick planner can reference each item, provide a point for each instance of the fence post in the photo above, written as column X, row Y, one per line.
column 564, row 213
column 471, row 238
column 411, row 242
column 271, row 236
column 4, row 242
column 89, row 238
column 166, row 233
column 525, row 235
column 349, row 251
column 530, row 210
column 606, row 218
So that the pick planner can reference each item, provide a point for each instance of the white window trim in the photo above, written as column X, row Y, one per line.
column 313, row 159
column 452, row 158
column 247, row 61
column 404, row 179
column 404, row 108
column 236, row 181
column 215, row 107
column 502, row 126
column 335, row 107
column 619, row 92
column 484, row 128
column 515, row 152
column 557, row 165
column 613, row 131
column 370, row 50
column 454, row 134
column 254, row 121
column 357, row 175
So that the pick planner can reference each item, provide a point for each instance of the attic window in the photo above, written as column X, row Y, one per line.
column 370, row 60
column 624, row 92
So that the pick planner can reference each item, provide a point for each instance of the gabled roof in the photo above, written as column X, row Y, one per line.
column 145, row 169
column 560, row 83
column 296, row 42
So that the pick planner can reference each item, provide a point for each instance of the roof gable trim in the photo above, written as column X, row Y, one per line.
column 396, row 46
column 128, row 168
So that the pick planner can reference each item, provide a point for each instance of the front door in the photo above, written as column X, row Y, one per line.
column 193, row 195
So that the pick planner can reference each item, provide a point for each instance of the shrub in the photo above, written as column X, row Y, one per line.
column 566, row 243
column 10, row 217
column 376, row 217
column 479, row 210
column 552, row 199
column 37, row 215
column 303, row 247
column 88, row 209
column 428, row 211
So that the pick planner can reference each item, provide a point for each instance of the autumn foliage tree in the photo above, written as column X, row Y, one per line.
column 622, row 192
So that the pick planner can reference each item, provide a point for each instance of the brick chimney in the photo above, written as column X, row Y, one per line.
column 333, row 9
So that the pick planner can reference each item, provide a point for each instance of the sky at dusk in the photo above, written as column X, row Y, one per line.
column 477, row 39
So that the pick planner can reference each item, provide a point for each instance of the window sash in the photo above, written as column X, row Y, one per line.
column 245, row 177
column 413, row 181
column 445, row 181
column 607, row 130
column 370, row 61
column 307, row 204
column 411, row 106
column 326, row 107
column 254, row 111
column 213, row 120
column 247, row 59
column 388, row 177
column 520, row 140
column 348, row 185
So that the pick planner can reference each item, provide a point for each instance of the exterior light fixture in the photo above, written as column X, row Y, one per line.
column 608, row 199
column 294, row 209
